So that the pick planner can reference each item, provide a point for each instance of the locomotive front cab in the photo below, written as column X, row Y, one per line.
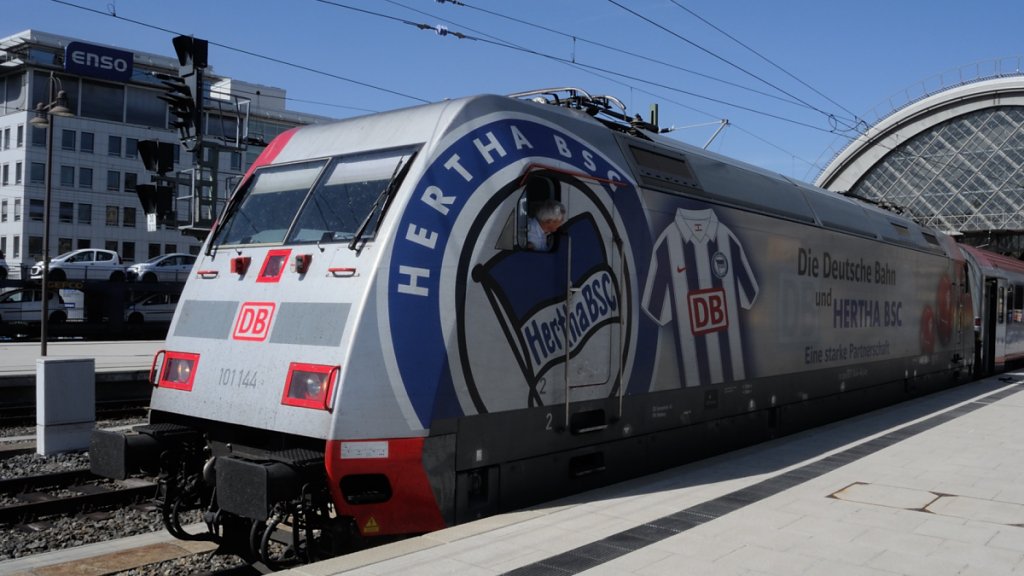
column 246, row 390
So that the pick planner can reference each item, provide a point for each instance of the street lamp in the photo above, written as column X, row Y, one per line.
column 43, row 118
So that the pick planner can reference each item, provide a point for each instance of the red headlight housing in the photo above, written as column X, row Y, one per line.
column 310, row 385
column 178, row 370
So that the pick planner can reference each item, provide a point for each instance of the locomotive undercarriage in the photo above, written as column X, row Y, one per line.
column 270, row 507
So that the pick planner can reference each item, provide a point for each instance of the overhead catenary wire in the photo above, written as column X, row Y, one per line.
column 574, row 38
column 574, row 61
column 858, row 120
column 577, row 63
column 830, row 117
column 597, row 70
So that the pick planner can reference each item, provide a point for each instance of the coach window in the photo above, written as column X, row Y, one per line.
column 1016, row 299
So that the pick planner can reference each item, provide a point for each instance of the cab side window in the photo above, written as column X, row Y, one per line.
column 538, row 191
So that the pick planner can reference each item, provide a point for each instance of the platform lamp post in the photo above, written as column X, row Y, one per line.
column 58, row 106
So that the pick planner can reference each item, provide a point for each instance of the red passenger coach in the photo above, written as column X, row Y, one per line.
column 999, row 308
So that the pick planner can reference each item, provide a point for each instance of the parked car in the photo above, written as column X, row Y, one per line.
column 26, row 305
column 173, row 267
column 152, row 308
column 84, row 264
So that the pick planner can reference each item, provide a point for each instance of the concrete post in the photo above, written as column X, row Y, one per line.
column 65, row 404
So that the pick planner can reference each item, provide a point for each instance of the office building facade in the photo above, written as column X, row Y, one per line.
column 114, row 98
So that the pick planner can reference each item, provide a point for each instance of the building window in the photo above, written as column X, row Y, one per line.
column 170, row 248
column 85, row 178
column 5, row 178
column 85, row 213
column 131, row 147
column 114, row 145
column 128, row 251
column 154, row 249
column 67, row 140
column 17, row 209
column 112, row 214
column 39, row 137
column 110, row 245
column 129, row 217
column 16, row 246
column 21, row 135
column 67, row 176
column 3, row 212
column 63, row 245
column 102, row 101
column 35, row 210
column 66, row 214
column 88, row 142
column 3, row 244
column 130, row 180
column 146, row 108
column 84, row 243
column 236, row 161
column 113, row 180
column 35, row 247
column 17, row 172
column 7, row 138
column 38, row 173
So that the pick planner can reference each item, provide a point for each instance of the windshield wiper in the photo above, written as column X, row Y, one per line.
column 384, row 200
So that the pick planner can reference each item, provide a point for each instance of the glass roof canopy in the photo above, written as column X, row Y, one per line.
column 963, row 175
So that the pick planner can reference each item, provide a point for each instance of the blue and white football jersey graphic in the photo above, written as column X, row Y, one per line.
column 699, row 277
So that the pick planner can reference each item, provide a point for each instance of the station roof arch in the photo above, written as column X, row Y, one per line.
column 953, row 160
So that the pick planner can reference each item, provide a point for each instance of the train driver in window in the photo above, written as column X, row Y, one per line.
column 545, row 222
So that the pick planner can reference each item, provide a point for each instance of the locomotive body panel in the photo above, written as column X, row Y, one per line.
column 372, row 290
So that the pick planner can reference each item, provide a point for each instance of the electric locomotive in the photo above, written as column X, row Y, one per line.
column 370, row 346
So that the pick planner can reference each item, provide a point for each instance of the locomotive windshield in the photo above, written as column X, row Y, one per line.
column 319, row 201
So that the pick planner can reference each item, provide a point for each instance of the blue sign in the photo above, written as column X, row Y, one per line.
column 98, row 61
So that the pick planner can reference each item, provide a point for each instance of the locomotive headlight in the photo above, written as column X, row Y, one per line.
column 178, row 370
column 309, row 385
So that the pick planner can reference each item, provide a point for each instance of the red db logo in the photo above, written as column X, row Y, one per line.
column 253, row 321
column 707, row 311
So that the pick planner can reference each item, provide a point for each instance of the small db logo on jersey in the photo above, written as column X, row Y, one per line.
column 707, row 311
column 253, row 321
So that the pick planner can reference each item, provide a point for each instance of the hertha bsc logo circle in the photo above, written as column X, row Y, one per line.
column 720, row 265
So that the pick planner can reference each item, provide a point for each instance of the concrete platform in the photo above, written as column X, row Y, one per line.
column 125, row 360
column 934, row 486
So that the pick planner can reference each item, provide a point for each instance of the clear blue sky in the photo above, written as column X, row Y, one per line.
column 829, row 60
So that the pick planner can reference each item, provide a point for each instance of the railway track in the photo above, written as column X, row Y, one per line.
column 64, row 493
column 12, row 415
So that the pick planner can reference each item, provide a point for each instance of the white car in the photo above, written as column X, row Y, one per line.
column 26, row 305
column 83, row 264
column 167, row 268
column 152, row 308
